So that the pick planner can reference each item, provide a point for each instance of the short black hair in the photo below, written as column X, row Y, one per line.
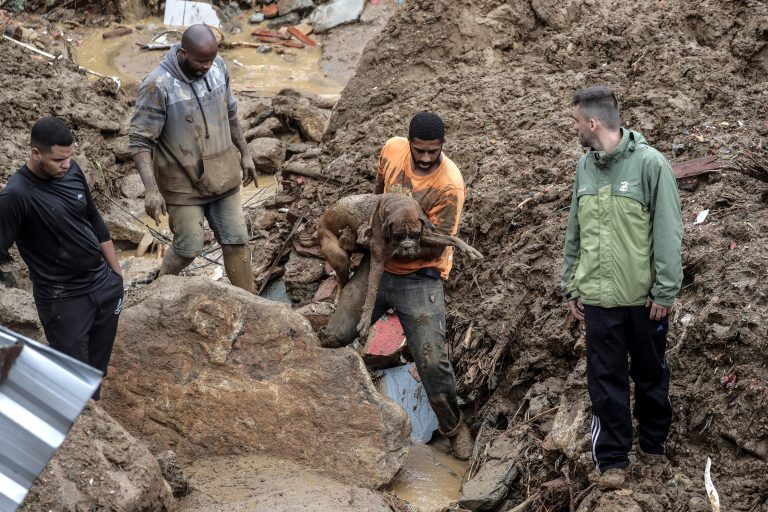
column 598, row 102
column 49, row 132
column 426, row 126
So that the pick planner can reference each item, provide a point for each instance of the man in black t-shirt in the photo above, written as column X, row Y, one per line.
column 48, row 211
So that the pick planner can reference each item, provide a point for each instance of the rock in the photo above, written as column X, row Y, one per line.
column 171, row 470
column 270, row 127
column 18, row 313
column 100, row 466
column 495, row 477
column 256, row 483
column 256, row 18
column 288, row 20
column 570, row 434
column 336, row 13
column 300, row 147
column 317, row 313
column 311, row 120
column 302, row 275
column 286, row 6
column 268, row 154
column 206, row 368
column 326, row 101
column 123, row 227
column 132, row 187
column 278, row 201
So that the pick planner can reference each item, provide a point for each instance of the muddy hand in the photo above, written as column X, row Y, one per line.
column 249, row 169
column 154, row 206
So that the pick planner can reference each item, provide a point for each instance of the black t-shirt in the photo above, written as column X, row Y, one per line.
column 58, row 231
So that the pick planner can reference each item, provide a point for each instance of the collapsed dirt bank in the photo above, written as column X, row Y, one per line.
column 691, row 77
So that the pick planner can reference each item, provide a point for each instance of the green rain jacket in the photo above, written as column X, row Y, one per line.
column 624, row 232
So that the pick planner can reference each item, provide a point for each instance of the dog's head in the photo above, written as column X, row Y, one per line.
column 403, row 229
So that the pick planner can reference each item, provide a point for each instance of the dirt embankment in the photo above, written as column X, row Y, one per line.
column 691, row 78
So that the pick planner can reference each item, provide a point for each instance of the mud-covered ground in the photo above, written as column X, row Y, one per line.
column 689, row 76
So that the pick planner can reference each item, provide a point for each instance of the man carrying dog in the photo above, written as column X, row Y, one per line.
column 48, row 211
column 413, row 288
column 185, row 139
column 621, row 274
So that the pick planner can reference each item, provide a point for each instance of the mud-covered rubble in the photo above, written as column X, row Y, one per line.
column 690, row 78
column 100, row 466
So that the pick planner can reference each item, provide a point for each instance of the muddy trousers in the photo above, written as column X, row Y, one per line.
column 84, row 327
column 612, row 335
column 419, row 303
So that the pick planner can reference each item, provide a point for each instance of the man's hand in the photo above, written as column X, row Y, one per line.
column 154, row 205
column 249, row 169
column 657, row 312
column 577, row 308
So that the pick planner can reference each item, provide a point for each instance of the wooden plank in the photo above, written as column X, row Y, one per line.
column 301, row 36
column 697, row 166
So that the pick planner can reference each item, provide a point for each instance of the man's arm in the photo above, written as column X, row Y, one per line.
column 667, row 238
column 146, row 125
column 100, row 230
column 246, row 161
column 571, row 255
column 11, row 217
column 110, row 256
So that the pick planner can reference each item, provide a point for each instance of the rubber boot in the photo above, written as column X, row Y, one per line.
column 173, row 263
column 237, row 263
column 462, row 443
column 612, row 479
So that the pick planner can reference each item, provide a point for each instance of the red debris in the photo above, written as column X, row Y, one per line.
column 298, row 34
column 269, row 10
column 326, row 290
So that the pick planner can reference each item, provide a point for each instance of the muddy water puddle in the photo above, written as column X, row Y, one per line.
column 430, row 479
column 261, row 73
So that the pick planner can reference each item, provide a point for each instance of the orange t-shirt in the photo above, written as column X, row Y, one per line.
column 440, row 194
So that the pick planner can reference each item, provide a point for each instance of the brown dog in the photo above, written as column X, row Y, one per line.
column 391, row 225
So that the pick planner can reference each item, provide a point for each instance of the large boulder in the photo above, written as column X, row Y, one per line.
column 205, row 368
column 100, row 466
column 123, row 227
column 310, row 120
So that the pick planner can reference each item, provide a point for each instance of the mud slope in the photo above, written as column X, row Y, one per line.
column 689, row 75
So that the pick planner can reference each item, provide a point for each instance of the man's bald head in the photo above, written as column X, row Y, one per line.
column 199, row 48
column 199, row 38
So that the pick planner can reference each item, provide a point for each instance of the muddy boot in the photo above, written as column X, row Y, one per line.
column 653, row 463
column 173, row 263
column 237, row 263
column 612, row 478
column 462, row 443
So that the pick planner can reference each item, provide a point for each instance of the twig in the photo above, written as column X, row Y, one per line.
column 524, row 505
column 30, row 48
column 530, row 420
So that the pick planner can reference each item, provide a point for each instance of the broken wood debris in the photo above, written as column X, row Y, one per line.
column 688, row 173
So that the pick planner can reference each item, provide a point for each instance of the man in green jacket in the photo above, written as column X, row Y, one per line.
column 621, row 274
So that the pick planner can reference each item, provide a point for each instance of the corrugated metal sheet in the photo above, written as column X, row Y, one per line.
column 41, row 397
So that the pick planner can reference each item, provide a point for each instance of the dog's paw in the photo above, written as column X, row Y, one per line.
column 363, row 326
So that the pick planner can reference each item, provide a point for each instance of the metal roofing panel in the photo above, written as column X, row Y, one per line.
column 40, row 399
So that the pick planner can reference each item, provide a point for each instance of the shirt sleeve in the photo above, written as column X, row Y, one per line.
column 149, row 117
column 446, row 213
column 92, row 213
column 572, row 247
column 231, row 103
column 11, row 218
column 667, row 235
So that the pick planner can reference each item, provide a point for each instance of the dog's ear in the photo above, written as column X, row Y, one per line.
column 426, row 224
column 386, row 229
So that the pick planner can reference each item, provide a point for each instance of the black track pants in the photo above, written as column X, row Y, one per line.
column 85, row 327
column 612, row 334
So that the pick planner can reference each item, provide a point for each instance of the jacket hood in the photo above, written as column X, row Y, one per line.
column 170, row 63
column 630, row 141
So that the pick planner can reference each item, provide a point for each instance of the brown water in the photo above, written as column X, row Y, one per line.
column 262, row 73
column 430, row 479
